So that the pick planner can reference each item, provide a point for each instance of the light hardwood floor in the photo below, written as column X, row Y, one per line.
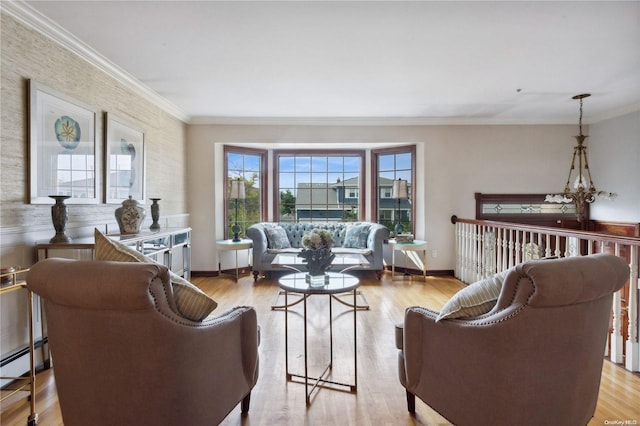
column 380, row 399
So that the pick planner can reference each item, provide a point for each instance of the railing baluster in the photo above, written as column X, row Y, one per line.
column 486, row 247
column 498, row 249
column 616, row 334
column 477, row 270
column 547, row 248
column 539, row 238
column 632, row 349
column 505, row 249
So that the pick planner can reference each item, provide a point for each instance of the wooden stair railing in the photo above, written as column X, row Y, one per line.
column 486, row 247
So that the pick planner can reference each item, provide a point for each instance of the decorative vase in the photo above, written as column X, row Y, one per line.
column 155, row 213
column 318, row 261
column 59, row 217
column 317, row 255
column 130, row 216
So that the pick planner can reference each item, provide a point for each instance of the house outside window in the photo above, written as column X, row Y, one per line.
column 248, row 165
column 318, row 186
column 390, row 164
column 386, row 192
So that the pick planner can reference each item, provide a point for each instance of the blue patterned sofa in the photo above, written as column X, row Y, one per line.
column 270, row 239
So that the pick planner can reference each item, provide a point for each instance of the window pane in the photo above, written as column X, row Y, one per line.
column 312, row 186
column 352, row 164
column 403, row 161
column 334, row 178
column 393, row 165
column 319, row 178
column 386, row 162
column 335, row 164
column 286, row 164
column 248, row 168
column 303, row 164
column 319, row 164
column 252, row 163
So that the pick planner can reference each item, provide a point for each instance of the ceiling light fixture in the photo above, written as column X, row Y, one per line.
column 584, row 190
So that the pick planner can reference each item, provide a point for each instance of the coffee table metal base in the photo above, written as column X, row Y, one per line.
column 321, row 381
column 364, row 306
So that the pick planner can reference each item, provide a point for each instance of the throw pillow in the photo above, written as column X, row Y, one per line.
column 277, row 237
column 356, row 236
column 475, row 299
column 192, row 302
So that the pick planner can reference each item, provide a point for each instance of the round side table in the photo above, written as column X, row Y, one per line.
column 230, row 245
column 415, row 245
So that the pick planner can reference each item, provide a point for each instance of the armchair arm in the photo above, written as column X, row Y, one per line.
column 238, row 323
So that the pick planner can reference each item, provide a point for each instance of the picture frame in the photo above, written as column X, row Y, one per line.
column 62, row 147
column 125, row 162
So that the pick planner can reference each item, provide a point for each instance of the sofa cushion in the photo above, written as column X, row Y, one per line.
column 475, row 299
column 284, row 250
column 277, row 237
column 191, row 302
column 356, row 236
column 345, row 250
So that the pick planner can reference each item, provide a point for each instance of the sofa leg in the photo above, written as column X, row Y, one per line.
column 411, row 402
column 379, row 274
column 245, row 403
column 255, row 276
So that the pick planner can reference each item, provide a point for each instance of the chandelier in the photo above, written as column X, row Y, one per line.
column 583, row 189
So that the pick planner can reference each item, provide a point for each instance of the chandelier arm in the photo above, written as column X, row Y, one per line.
column 567, row 187
column 592, row 187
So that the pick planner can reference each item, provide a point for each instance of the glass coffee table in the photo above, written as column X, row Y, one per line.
column 337, row 283
column 345, row 261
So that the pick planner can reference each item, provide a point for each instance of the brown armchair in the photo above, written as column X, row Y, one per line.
column 535, row 358
column 123, row 355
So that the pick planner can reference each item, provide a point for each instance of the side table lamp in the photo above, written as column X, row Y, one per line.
column 400, row 192
column 236, row 193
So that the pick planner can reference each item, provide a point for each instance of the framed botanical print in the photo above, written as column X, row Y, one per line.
column 62, row 147
column 124, row 161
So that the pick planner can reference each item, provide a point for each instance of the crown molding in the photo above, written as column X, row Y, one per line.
column 28, row 16
column 369, row 121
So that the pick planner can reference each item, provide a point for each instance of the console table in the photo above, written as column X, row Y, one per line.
column 170, row 247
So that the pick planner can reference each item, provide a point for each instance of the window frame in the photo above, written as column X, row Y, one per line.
column 319, row 153
column 262, row 153
column 376, row 190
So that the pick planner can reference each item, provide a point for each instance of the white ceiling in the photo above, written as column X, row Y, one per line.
column 421, row 61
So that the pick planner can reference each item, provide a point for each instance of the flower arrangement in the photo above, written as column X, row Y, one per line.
column 317, row 252
column 317, row 238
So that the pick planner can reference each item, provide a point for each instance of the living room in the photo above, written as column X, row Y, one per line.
column 456, row 156
column 500, row 158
